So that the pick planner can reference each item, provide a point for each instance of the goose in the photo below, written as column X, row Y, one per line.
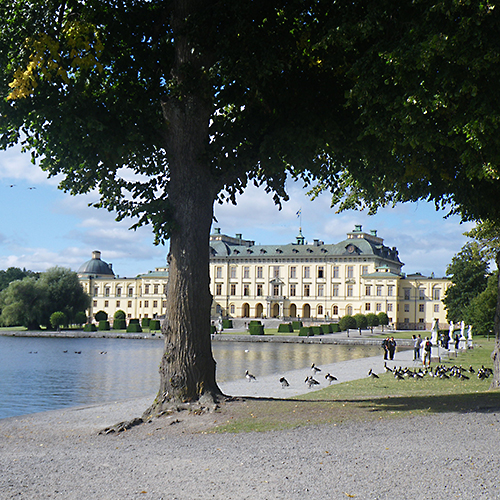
column 315, row 369
column 386, row 368
column 284, row 382
column 310, row 381
column 330, row 378
column 372, row 374
column 249, row 376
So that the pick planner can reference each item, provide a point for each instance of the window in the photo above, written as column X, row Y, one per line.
column 378, row 307
column 146, row 303
column 164, row 289
column 379, row 290
column 155, row 289
column 407, row 320
column 421, row 294
column 129, row 304
column 106, row 303
column 350, row 290
column 246, row 272
column 364, row 270
column 146, row 289
column 306, row 290
column 293, row 272
column 231, row 308
column 276, row 290
column 407, row 293
column 321, row 272
column 336, row 273
column 233, row 288
column 118, row 292
column 335, row 290
column 420, row 320
column 436, row 308
column 350, row 271
column 436, row 294
column 117, row 303
column 94, row 303
column 130, row 292
column 246, row 290
column 218, row 272
column 293, row 290
column 348, row 310
column 129, row 315
column 307, row 272
column 368, row 290
column 164, row 304
column 407, row 308
column 367, row 306
column 259, row 272
column 321, row 290
column 145, row 315
column 390, row 290
column 233, row 272
column 106, row 291
column 421, row 308
column 276, row 271
column 320, row 310
column 155, row 303
column 96, row 291
column 389, row 307
column 335, row 310
column 259, row 290
column 218, row 289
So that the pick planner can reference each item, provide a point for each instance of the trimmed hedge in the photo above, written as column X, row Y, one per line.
column 285, row 328
column 134, row 321
column 134, row 327
column 119, row 324
column 145, row 322
column 119, row 314
column 335, row 327
column 227, row 323
column 256, row 330
column 154, row 324
column 317, row 330
column 297, row 325
column 306, row 331
column 326, row 328
column 101, row 316
column 254, row 322
column 104, row 325
column 90, row 327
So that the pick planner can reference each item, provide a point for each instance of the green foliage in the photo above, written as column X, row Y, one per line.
column 326, row 328
column 103, row 325
column 372, row 320
column 101, row 316
column 317, row 330
column 347, row 323
column 154, row 325
column 134, row 328
column 145, row 322
column 58, row 319
column 134, row 321
column 306, row 331
column 383, row 319
column 296, row 325
column 468, row 271
column 361, row 321
column 119, row 314
column 285, row 328
column 13, row 274
column 119, row 324
column 480, row 312
column 80, row 318
column 335, row 327
column 228, row 323
column 256, row 329
column 90, row 327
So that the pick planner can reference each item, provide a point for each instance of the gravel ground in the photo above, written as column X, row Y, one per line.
column 60, row 455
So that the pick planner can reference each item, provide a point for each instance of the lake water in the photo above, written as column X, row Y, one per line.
column 39, row 374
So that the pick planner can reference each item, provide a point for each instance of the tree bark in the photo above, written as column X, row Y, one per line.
column 187, row 370
column 495, row 355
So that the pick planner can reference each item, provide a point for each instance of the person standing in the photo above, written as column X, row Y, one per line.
column 417, row 341
column 385, row 347
column 392, row 348
column 427, row 351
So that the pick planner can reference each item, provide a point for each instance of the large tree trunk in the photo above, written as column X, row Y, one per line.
column 495, row 355
column 187, row 370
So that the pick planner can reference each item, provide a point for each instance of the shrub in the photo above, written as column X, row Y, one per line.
column 145, row 322
column 80, row 318
column 58, row 319
column 227, row 323
column 335, row 327
column 296, row 325
column 306, row 331
column 285, row 327
column 256, row 330
column 119, row 324
column 154, row 324
column 119, row 314
column 104, row 325
column 134, row 327
column 326, row 328
column 317, row 330
column 254, row 322
column 90, row 327
column 101, row 316
column 134, row 321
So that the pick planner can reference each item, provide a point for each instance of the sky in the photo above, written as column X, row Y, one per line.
column 41, row 226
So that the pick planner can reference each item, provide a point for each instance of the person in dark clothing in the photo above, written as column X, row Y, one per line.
column 392, row 348
column 385, row 347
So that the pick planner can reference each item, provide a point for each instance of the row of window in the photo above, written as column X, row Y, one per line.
column 155, row 289
column 275, row 272
column 129, row 303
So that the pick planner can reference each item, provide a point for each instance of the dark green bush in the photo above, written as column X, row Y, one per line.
column 134, row 321
column 335, row 327
column 101, row 316
column 119, row 314
column 134, row 327
column 119, row 324
column 90, row 327
column 154, row 324
column 227, row 323
column 326, row 328
column 256, row 330
column 317, row 330
column 306, row 331
column 103, row 325
column 297, row 325
column 145, row 322
column 254, row 322
column 285, row 328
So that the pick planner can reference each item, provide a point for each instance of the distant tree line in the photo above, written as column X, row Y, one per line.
column 30, row 299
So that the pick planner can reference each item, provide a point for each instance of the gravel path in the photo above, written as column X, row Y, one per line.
column 60, row 455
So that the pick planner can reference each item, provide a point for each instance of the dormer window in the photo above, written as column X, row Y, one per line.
column 262, row 250
column 310, row 250
column 278, row 250
column 249, row 251
column 294, row 250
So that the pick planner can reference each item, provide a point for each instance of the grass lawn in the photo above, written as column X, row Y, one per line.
column 368, row 400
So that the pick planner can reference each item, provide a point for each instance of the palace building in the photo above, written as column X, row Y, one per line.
column 307, row 281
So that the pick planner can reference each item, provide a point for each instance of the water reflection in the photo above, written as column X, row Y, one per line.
column 38, row 374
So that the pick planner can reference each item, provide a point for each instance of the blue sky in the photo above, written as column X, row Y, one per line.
column 42, row 227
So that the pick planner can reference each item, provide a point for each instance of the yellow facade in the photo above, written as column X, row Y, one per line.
column 307, row 281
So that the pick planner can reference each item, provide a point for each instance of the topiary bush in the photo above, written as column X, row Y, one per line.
column 254, row 322
column 104, row 325
column 119, row 314
column 145, row 322
column 227, row 323
column 285, row 328
column 317, row 330
column 119, row 324
column 335, row 327
column 306, row 331
column 297, row 325
column 326, row 328
column 154, row 324
column 134, row 327
column 134, row 321
column 90, row 327
column 256, row 330
column 101, row 316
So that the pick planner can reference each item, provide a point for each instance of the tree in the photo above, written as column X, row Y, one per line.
column 372, row 320
column 383, row 319
column 361, row 322
column 80, row 318
column 480, row 312
column 58, row 319
column 468, row 271
column 167, row 107
column 13, row 274
column 347, row 323
column 22, row 303
column 101, row 316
